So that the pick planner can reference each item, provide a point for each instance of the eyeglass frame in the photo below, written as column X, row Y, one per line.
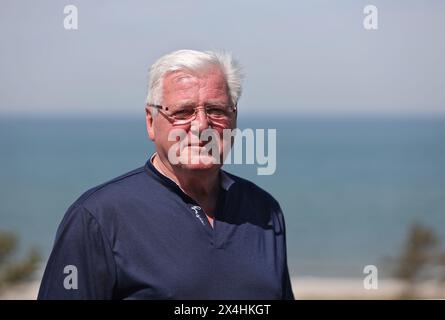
column 195, row 114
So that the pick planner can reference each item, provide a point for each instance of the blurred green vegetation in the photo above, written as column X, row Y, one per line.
column 422, row 258
column 12, row 271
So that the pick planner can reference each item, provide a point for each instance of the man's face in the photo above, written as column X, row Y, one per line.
column 182, row 90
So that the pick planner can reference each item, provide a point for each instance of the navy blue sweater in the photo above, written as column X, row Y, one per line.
column 139, row 236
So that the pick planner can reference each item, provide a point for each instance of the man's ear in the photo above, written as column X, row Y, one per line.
column 149, row 122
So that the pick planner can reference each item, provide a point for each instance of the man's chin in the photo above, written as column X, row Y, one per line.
column 199, row 163
column 197, row 158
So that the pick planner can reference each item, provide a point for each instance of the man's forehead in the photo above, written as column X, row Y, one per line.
column 180, row 77
column 187, row 76
column 184, row 84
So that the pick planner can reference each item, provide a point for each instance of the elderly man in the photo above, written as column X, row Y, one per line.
column 179, row 227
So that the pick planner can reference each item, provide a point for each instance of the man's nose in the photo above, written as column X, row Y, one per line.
column 201, row 118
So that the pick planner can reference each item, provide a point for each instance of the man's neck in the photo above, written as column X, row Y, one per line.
column 200, row 185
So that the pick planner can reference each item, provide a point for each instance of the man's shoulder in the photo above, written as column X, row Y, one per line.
column 262, row 206
column 121, row 188
column 109, row 203
column 252, row 190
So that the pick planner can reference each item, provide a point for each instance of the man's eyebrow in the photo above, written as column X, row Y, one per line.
column 215, row 103
column 191, row 103
column 184, row 103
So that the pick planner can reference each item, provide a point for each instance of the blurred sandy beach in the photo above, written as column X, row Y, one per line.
column 304, row 288
column 353, row 288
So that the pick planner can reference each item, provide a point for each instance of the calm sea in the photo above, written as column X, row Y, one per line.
column 349, row 187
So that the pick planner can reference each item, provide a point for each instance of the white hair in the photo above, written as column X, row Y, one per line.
column 194, row 61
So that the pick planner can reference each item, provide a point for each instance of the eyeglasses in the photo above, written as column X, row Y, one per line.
column 217, row 115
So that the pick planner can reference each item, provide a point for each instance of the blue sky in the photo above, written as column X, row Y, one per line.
column 300, row 57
